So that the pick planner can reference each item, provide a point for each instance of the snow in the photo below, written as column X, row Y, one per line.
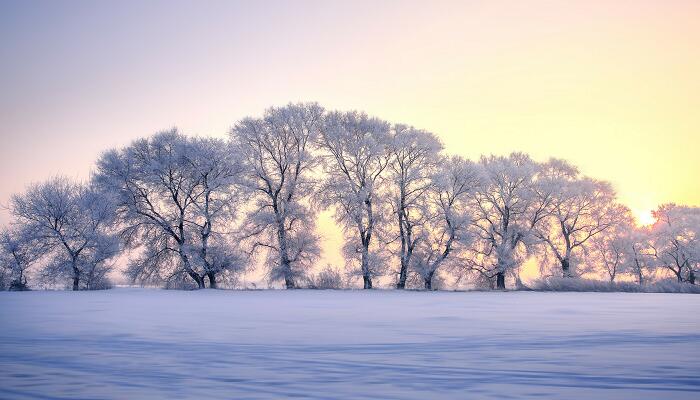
column 147, row 343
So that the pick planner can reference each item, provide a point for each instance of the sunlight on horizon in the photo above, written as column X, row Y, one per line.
column 643, row 217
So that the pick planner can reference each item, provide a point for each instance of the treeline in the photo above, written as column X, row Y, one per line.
column 198, row 212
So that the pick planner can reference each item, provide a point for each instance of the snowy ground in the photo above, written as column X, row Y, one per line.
column 139, row 343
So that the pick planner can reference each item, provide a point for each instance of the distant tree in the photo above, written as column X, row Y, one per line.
column 449, row 215
column 413, row 163
column 357, row 154
column 278, row 164
column 675, row 240
column 19, row 251
column 611, row 252
column 73, row 222
column 506, row 210
column 577, row 209
column 639, row 258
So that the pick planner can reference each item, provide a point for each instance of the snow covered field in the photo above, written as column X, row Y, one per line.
column 140, row 343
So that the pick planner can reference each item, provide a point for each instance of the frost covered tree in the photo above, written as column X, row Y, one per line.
column 216, row 203
column 506, row 211
column 414, row 159
column 73, row 222
column 577, row 209
column 19, row 251
column 675, row 240
column 173, row 197
column 357, row 154
column 638, row 255
column 611, row 252
column 278, row 164
column 449, row 215
column 622, row 249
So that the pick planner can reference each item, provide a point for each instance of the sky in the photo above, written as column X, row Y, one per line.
column 614, row 87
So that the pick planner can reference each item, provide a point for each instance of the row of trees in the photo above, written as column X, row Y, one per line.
column 194, row 211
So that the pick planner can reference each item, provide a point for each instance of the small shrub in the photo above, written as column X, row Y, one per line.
column 327, row 278
column 557, row 284
column 672, row 286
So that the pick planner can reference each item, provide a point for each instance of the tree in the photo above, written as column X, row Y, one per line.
column 19, row 251
column 449, row 215
column 675, row 240
column 215, row 206
column 74, row 224
column 611, row 251
column 578, row 208
column 170, row 193
column 623, row 249
column 638, row 256
column 506, row 211
column 356, row 156
column 414, row 158
column 277, row 167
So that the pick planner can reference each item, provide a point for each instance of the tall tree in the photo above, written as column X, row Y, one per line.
column 170, row 190
column 449, row 215
column 413, row 163
column 278, row 164
column 356, row 157
column 74, row 222
column 216, row 203
column 578, row 209
column 506, row 211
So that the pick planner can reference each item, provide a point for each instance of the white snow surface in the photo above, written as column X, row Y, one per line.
column 146, row 343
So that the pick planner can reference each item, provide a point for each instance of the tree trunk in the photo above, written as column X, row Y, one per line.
column 284, row 253
column 188, row 268
column 366, row 277
column 501, row 280
column 76, row 274
column 401, row 284
column 428, row 282
column 640, row 277
column 289, row 282
column 367, row 282
column 212, row 280
column 691, row 277
column 566, row 268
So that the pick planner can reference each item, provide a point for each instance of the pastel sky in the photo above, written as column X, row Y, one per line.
column 613, row 86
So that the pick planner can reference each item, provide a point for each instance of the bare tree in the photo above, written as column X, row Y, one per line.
column 278, row 163
column 675, row 240
column 216, row 203
column 639, row 257
column 356, row 157
column 449, row 215
column 19, row 251
column 506, row 211
column 578, row 209
column 156, row 191
column 73, row 222
column 413, row 162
